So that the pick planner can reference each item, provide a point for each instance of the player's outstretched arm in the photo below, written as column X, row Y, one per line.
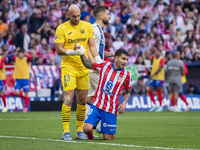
column 126, row 99
column 62, row 51
column 87, row 63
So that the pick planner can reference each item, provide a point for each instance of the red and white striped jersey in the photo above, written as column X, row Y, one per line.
column 111, row 82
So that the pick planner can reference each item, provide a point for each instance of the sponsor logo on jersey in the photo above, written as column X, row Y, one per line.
column 69, row 33
column 109, row 125
column 70, row 41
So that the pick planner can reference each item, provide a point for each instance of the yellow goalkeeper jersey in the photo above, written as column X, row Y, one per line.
column 70, row 35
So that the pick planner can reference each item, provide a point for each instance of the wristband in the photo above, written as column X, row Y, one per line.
column 98, row 59
column 71, row 52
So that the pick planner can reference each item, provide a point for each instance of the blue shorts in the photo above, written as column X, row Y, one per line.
column 155, row 83
column 108, row 120
column 1, row 85
column 22, row 83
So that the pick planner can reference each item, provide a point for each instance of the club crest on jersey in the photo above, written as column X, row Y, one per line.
column 82, row 31
column 120, row 79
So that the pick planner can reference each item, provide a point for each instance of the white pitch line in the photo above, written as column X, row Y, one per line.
column 30, row 119
column 95, row 143
column 170, row 117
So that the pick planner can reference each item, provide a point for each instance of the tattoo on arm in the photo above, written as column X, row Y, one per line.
column 127, row 95
column 87, row 63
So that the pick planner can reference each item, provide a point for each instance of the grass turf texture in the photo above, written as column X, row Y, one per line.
column 147, row 130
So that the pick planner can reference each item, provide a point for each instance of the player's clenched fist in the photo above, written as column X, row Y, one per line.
column 77, row 46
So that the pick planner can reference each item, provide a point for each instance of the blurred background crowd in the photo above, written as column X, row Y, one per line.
column 135, row 25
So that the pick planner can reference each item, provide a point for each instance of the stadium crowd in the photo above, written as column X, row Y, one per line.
column 135, row 25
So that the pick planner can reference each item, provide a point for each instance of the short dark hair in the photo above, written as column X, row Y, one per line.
column 121, row 51
column 99, row 9
column 175, row 54
column 21, row 50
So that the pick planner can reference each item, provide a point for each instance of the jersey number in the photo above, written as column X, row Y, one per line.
column 109, row 85
column 66, row 78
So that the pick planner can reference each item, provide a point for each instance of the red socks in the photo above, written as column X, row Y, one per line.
column 160, row 98
column 90, row 135
column 4, row 100
column 26, row 99
column 152, row 97
column 183, row 98
column 21, row 95
column 173, row 100
column 26, row 102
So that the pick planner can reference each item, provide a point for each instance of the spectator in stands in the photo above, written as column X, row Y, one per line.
column 117, row 44
column 34, row 57
column 186, row 26
column 10, row 37
column 192, row 89
column 39, row 61
column 84, row 11
column 2, row 40
column 57, row 12
column 48, row 57
column 12, row 28
column 113, row 14
column 13, row 13
column 141, row 68
column 124, row 15
column 147, row 58
column 127, row 45
column 31, row 6
column 22, row 39
column 21, row 19
column 3, row 27
column 188, row 53
column 143, row 46
column 197, row 49
column 139, row 87
column 196, row 58
column 36, row 21
column 168, row 56
column 118, row 25
column 132, row 57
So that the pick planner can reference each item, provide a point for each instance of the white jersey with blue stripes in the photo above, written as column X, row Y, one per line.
column 99, row 40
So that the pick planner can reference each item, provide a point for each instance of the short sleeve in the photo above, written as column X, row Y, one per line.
column 91, row 31
column 99, row 66
column 96, row 33
column 59, row 35
column 185, row 68
column 162, row 62
column 128, row 81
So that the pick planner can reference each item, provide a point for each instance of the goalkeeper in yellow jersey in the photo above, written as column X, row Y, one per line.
column 71, row 39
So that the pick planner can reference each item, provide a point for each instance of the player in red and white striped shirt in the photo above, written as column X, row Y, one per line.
column 113, row 78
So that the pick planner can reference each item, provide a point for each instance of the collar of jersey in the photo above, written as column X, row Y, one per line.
column 116, row 69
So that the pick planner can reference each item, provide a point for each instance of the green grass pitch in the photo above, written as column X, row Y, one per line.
column 135, row 130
